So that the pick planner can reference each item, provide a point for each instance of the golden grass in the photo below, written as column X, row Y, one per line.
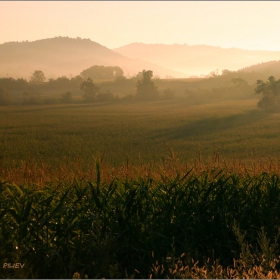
column 30, row 171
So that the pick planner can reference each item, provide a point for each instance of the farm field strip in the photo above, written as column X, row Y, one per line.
column 235, row 129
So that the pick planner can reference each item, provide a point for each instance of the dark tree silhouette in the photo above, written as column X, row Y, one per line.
column 11, row 84
column 102, row 72
column 271, row 93
column 90, row 90
column 146, row 88
column 37, row 77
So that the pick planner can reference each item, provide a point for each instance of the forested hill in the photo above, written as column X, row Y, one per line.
column 266, row 68
column 197, row 59
column 66, row 56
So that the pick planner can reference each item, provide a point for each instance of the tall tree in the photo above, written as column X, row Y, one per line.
column 90, row 90
column 271, row 93
column 146, row 88
column 37, row 77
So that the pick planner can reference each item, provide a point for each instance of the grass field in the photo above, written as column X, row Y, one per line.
column 140, row 189
column 138, row 131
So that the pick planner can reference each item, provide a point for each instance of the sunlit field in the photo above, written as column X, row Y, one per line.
column 140, row 189
column 133, row 146
column 141, row 132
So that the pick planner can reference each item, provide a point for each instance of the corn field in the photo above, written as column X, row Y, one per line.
column 200, row 223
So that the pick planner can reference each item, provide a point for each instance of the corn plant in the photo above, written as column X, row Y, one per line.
column 109, row 228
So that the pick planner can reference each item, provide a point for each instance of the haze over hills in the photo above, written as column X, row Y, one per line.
column 196, row 60
column 267, row 68
column 66, row 56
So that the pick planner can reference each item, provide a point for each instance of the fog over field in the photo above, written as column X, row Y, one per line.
column 139, row 139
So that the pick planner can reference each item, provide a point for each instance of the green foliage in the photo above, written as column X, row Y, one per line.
column 146, row 88
column 90, row 90
column 110, row 228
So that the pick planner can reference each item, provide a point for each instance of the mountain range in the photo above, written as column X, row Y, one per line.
column 68, row 56
column 199, row 59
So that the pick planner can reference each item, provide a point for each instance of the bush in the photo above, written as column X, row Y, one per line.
column 105, row 96
column 268, row 103
column 66, row 97
column 271, row 93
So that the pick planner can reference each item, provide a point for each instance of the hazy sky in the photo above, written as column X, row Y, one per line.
column 248, row 25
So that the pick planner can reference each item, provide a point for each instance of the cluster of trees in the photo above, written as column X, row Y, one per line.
column 143, row 81
column 270, row 91
column 64, row 82
column 38, row 79
column 13, row 84
column 92, row 92
column 145, row 89
column 102, row 72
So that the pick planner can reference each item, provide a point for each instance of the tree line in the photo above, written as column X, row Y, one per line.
column 12, row 90
column 91, row 92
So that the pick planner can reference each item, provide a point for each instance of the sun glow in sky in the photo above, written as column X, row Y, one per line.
column 252, row 25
